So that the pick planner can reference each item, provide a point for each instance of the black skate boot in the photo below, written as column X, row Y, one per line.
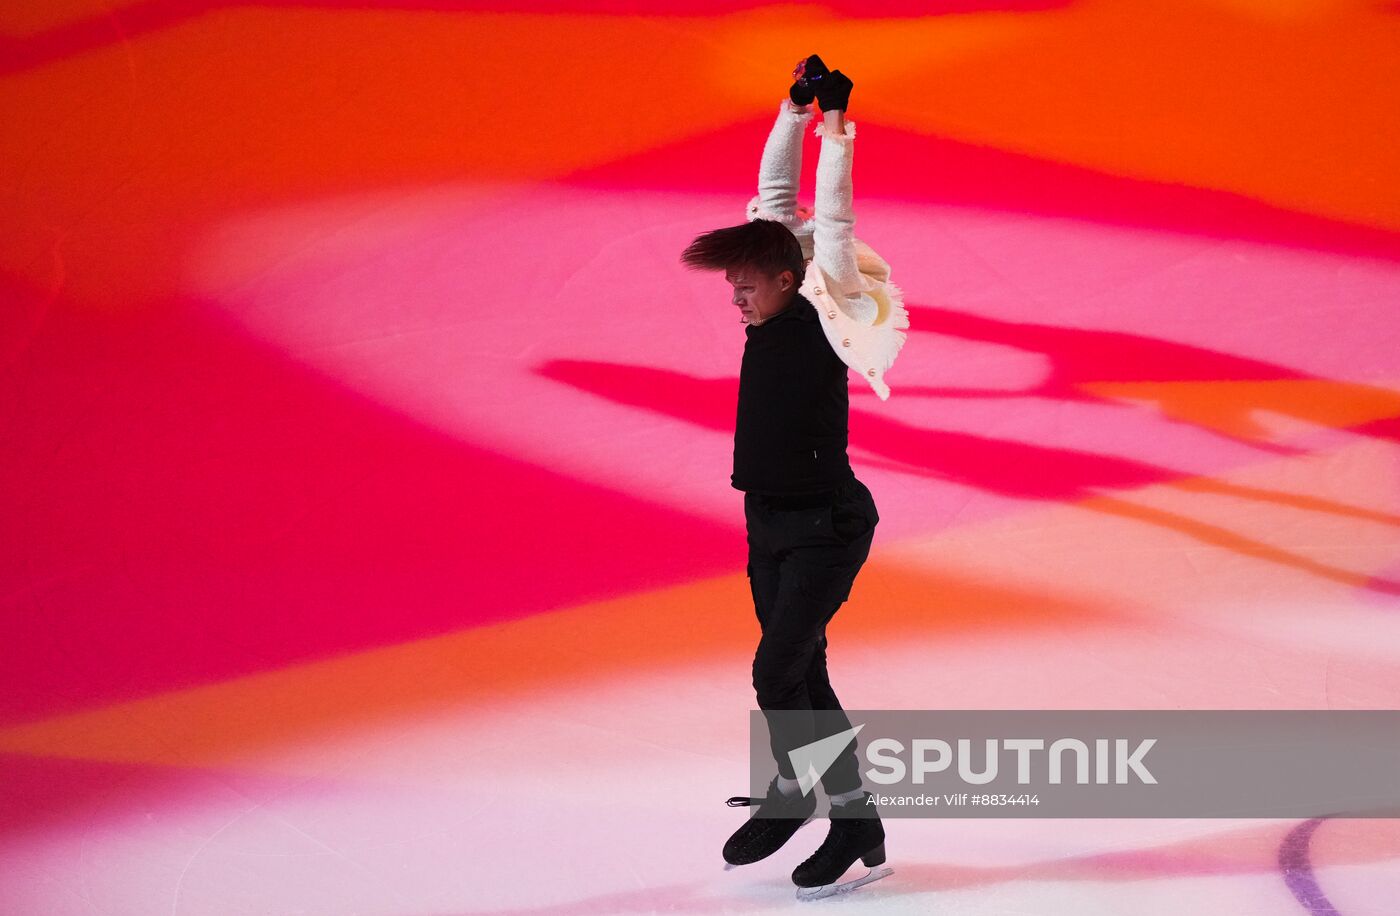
column 856, row 833
column 777, row 819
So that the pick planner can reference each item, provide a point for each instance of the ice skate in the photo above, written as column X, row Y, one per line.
column 856, row 833
column 778, row 817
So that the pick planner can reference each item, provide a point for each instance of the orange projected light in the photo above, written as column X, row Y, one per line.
column 367, row 516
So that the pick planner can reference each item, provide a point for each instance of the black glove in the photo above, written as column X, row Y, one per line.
column 834, row 91
column 809, row 75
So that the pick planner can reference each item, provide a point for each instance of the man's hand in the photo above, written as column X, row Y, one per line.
column 808, row 76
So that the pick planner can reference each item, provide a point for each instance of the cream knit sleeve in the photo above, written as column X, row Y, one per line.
column 780, row 169
column 863, row 313
column 834, row 236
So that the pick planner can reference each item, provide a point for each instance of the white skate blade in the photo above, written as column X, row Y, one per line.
column 845, row 887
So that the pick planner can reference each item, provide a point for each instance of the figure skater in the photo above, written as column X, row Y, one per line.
column 817, row 302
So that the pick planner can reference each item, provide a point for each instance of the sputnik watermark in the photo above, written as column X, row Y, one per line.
column 1115, row 760
column 1093, row 763
column 889, row 767
column 954, row 799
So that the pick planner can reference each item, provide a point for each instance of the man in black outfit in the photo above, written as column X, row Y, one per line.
column 810, row 524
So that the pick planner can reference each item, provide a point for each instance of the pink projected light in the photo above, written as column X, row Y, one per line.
column 369, row 541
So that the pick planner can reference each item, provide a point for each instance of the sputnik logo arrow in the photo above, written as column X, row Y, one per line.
column 811, row 761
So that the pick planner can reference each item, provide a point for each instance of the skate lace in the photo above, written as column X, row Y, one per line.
column 771, row 805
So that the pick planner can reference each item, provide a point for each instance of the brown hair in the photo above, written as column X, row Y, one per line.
column 763, row 244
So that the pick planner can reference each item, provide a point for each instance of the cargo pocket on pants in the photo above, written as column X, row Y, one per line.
column 825, row 586
column 849, row 523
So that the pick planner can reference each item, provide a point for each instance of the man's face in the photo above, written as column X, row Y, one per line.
column 759, row 296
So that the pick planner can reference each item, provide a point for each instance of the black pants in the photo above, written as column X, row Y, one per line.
column 802, row 563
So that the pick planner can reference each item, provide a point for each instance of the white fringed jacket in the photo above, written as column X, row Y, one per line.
column 861, row 311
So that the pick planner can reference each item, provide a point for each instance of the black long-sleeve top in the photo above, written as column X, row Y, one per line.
column 790, row 433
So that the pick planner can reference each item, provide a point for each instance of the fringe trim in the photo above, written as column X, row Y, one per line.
column 889, row 339
column 802, row 114
column 877, row 346
column 850, row 133
column 797, row 222
column 894, row 342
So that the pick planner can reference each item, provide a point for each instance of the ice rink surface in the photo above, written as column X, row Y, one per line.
column 366, row 537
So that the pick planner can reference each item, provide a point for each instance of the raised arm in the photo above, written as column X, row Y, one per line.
column 834, row 237
column 864, row 315
column 781, row 167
